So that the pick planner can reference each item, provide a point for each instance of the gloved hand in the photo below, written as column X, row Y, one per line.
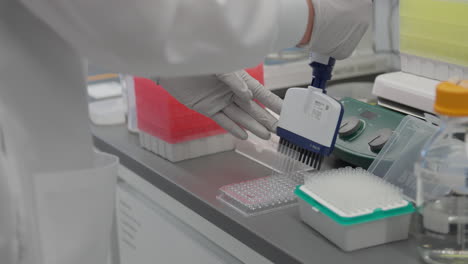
column 339, row 26
column 228, row 100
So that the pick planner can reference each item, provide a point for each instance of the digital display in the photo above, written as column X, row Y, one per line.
column 369, row 115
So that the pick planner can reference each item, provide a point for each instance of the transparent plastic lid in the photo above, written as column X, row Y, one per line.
column 395, row 162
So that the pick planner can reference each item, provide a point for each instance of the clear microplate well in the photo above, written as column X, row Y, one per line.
column 268, row 193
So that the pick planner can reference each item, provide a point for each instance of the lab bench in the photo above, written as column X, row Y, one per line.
column 169, row 213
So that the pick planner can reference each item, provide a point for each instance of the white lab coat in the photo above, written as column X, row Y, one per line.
column 44, row 130
column 175, row 37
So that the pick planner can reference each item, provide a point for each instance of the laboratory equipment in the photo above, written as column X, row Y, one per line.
column 364, row 131
column 265, row 152
column 310, row 119
column 186, row 191
column 269, row 193
column 433, row 48
column 172, row 130
column 353, row 208
column 262, row 195
column 442, row 181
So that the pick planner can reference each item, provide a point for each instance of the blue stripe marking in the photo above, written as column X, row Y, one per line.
column 322, row 73
column 304, row 142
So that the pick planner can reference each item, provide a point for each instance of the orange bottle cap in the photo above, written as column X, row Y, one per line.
column 451, row 99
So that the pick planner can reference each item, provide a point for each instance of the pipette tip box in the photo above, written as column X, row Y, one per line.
column 172, row 130
column 353, row 208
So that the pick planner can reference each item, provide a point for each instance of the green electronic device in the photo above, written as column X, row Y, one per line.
column 364, row 131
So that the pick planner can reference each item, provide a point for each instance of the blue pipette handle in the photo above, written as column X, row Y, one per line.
column 322, row 73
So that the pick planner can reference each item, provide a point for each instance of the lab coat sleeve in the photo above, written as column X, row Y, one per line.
column 175, row 37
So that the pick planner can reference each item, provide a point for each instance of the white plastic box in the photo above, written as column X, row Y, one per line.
column 189, row 149
column 393, row 166
column 356, row 236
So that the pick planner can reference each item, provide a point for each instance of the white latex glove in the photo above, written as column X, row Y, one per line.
column 228, row 100
column 339, row 26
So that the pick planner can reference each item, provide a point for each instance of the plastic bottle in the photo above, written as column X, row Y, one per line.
column 442, row 182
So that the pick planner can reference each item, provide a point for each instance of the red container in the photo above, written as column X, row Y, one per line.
column 162, row 116
column 257, row 73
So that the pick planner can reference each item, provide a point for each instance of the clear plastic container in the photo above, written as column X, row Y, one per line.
column 395, row 162
column 442, row 184
column 443, row 219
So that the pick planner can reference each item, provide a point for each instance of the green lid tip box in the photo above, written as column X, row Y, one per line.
column 353, row 208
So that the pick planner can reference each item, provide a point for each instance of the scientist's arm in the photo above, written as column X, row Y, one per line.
column 194, row 37
column 187, row 37
column 175, row 37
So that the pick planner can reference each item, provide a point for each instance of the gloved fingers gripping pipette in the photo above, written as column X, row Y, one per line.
column 229, row 100
column 310, row 119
